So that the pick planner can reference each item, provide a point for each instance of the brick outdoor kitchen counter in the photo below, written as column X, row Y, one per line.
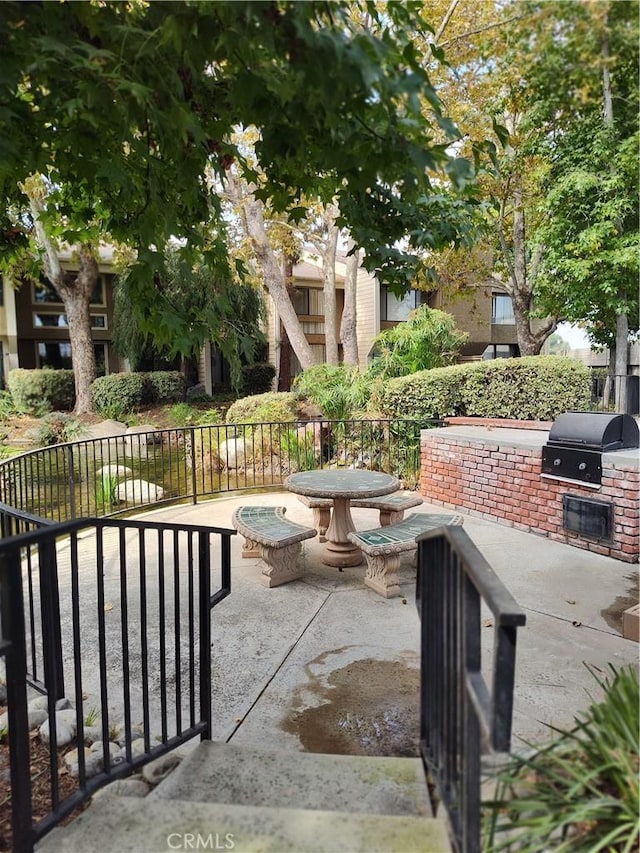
column 495, row 473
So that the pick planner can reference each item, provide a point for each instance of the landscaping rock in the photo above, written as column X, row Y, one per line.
column 231, row 453
column 63, row 704
column 139, row 437
column 114, row 749
column 40, row 702
column 132, row 491
column 157, row 770
column 92, row 763
column 93, row 734
column 113, row 471
column 65, row 728
column 124, row 788
column 36, row 717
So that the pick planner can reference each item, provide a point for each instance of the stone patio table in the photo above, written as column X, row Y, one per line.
column 341, row 487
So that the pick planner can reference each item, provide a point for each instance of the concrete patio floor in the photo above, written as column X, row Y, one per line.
column 324, row 664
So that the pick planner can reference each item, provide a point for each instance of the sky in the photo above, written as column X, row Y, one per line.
column 575, row 337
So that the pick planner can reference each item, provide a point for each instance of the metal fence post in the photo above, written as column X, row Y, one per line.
column 71, row 481
column 12, row 644
column 50, row 610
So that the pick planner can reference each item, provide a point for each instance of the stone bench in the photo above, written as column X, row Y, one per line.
column 273, row 538
column 391, row 508
column 382, row 548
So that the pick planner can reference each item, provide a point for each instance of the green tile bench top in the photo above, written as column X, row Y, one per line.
column 268, row 526
column 396, row 502
column 401, row 536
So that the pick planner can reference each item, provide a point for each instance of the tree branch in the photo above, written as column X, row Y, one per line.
column 445, row 21
column 481, row 30
column 52, row 264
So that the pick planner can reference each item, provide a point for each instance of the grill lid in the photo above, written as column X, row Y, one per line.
column 594, row 431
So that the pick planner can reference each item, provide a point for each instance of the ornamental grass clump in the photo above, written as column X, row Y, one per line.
column 581, row 791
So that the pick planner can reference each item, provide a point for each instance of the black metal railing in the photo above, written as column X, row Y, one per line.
column 116, row 618
column 107, row 476
column 459, row 713
column 615, row 393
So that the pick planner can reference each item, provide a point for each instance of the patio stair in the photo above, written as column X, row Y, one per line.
column 263, row 800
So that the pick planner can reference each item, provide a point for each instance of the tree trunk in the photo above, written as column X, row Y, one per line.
column 284, row 362
column 621, row 361
column 74, row 289
column 608, row 383
column 329, row 289
column 521, row 284
column 274, row 279
column 348, row 335
column 622, row 320
column 75, row 293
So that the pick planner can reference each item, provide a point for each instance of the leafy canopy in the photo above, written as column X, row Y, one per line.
column 127, row 105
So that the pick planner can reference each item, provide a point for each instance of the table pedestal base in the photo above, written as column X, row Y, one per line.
column 339, row 551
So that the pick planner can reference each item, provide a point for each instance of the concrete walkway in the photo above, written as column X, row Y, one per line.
column 325, row 665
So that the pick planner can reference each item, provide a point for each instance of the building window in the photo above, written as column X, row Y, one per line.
column 52, row 320
column 57, row 355
column 500, row 351
column 308, row 301
column 396, row 309
column 501, row 310
column 44, row 293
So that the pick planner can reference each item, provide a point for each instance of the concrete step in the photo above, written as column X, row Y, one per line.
column 240, row 775
column 130, row 825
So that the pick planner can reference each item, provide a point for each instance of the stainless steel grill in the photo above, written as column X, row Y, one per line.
column 577, row 441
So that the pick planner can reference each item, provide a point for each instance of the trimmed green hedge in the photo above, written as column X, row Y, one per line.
column 118, row 393
column 166, row 386
column 40, row 391
column 274, row 407
column 529, row 388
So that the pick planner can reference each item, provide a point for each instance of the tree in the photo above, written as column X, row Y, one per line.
column 484, row 89
column 203, row 308
column 590, row 213
column 129, row 103
column 562, row 190
column 40, row 253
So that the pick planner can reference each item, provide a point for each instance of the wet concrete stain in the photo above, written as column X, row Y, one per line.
column 371, row 707
column 612, row 615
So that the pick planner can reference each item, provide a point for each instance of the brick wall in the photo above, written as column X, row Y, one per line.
column 493, row 475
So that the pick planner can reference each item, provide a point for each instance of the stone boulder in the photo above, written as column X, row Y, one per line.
column 136, row 491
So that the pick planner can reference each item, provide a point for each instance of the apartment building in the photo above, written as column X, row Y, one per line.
column 34, row 333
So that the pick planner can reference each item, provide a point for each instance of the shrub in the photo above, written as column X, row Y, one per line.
column 57, row 428
column 165, row 386
column 7, row 405
column 534, row 387
column 337, row 390
column 428, row 339
column 274, row 407
column 118, row 393
column 40, row 391
column 579, row 792
column 426, row 395
column 257, row 378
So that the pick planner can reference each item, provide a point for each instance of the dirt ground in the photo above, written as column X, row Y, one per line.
column 40, row 785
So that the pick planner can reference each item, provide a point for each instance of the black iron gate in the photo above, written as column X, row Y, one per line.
column 113, row 615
